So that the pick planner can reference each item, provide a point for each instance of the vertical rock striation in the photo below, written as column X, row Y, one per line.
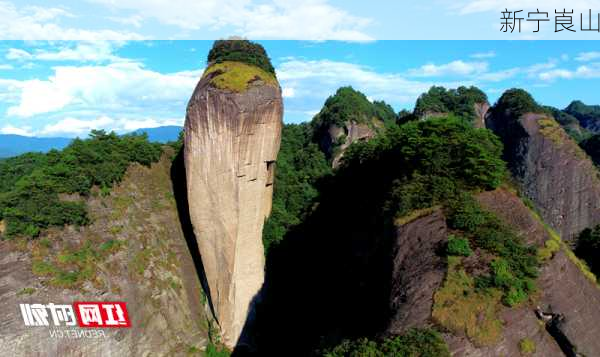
column 232, row 137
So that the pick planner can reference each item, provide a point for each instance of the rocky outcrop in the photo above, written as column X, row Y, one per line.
column 232, row 138
column 551, row 170
column 564, row 288
column 338, row 139
column 134, row 251
column 418, row 271
column 481, row 110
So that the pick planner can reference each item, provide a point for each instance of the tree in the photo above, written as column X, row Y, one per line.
column 240, row 51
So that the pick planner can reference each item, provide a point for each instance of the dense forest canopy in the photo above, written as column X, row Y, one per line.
column 459, row 102
column 31, row 183
column 240, row 51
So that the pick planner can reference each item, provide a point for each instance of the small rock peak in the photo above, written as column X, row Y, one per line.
column 550, row 167
column 346, row 117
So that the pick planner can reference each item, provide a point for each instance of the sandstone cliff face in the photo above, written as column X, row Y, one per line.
column 231, row 144
column 552, row 171
column 148, row 266
column 418, row 273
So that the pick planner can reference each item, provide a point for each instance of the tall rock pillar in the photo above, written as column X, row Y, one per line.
column 232, row 137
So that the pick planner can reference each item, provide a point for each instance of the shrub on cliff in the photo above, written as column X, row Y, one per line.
column 29, row 198
column 588, row 248
column 459, row 102
column 415, row 342
column 458, row 246
column 516, row 266
column 240, row 51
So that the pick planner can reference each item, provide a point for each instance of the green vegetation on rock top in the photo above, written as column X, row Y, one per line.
column 238, row 76
column 459, row 102
column 349, row 104
column 241, row 51
column 516, row 102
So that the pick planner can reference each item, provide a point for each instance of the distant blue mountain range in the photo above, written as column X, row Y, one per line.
column 13, row 145
column 162, row 134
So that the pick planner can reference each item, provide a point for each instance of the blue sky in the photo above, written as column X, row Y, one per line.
column 282, row 19
column 67, row 88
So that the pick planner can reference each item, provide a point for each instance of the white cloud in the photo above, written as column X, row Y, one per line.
column 460, row 68
column 555, row 74
column 134, row 20
column 590, row 71
column 9, row 129
column 9, row 90
column 587, row 56
column 482, row 55
column 40, row 97
column 72, row 126
column 76, row 126
column 498, row 76
column 288, row 92
column 17, row 54
column 274, row 19
column 129, row 125
column 319, row 79
column 6, row 66
column 38, row 23
column 536, row 68
column 83, row 51
column 122, row 85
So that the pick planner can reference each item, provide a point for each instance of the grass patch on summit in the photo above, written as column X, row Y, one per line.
column 237, row 76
